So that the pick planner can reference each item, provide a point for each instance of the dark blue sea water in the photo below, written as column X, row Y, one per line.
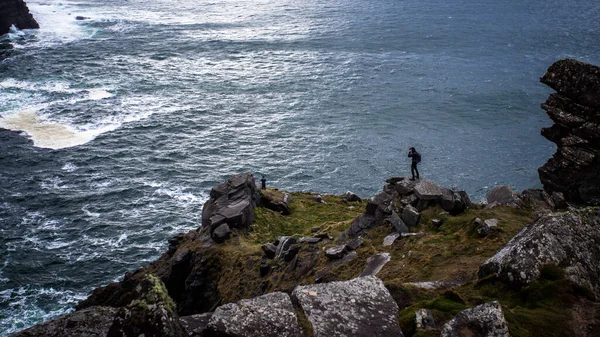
column 125, row 120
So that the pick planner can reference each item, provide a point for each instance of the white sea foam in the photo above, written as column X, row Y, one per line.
column 89, row 213
column 57, row 23
column 97, row 94
column 178, row 194
column 69, row 167
column 43, row 133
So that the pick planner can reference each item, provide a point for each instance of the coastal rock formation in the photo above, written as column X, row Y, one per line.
column 270, row 315
column 90, row 322
column 574, row 169
column 152, row 313
column 15, row 12
column 276, row 201
column 503, row 196
column 231, row 203
column 359, row 307
column 406, row 197
column 570, row 240
column 486, row 320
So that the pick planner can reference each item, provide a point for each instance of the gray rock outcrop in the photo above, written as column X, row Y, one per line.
column 15, row 12
column 231, row 203
column 574, row 169
column 503, row 196
column 486, row 320
column 90, row 322
column 361, row 307
column 270, row 315
column 570, row 239
column 195, row 325
column 152, row 313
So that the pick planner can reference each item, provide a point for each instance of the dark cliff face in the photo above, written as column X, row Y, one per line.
column 15, row 12
column 575, row 110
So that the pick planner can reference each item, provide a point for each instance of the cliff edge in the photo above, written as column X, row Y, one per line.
column 574, row 170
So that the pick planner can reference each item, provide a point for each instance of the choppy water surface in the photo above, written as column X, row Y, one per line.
column 126, row 119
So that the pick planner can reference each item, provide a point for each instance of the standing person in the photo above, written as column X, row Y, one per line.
column 263, row 182
column 416, row 158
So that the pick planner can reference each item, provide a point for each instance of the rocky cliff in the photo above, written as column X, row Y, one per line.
column 417, row 259
column 574, row 169
column 15, row 12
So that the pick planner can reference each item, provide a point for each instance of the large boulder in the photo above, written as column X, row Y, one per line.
column 359, row 307
column 196, row 324
column 89, row 322
column 503, row 196
column 151, row 314
column 15, row 12
column 428, row 190
column 270, row 315
column 570, row 240
column 231, row 203
column 379, row 211
column 276, row 200
column 574, row 169
column 486, row 320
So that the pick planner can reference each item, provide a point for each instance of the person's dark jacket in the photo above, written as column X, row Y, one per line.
column 416, row 156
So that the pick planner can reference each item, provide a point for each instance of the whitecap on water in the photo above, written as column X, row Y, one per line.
column 69, row 167
column 97, row 94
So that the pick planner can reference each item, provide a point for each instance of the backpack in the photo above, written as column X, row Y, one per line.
column 418, row 155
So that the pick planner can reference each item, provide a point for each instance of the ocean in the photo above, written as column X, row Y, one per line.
column 114, row 127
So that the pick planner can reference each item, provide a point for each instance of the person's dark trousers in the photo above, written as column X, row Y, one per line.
column 413, row 169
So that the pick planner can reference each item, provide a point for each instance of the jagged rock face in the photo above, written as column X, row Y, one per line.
column 270, row 315
column 151, row 314
column 90, row 322
column 231, row 203
column 486, row 320
column 570, row 240
column 359, row 307
column 575, row 110
column 15, row 12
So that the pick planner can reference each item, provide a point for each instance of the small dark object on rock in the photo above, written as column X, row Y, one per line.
column 437, row 222
column 350, row 197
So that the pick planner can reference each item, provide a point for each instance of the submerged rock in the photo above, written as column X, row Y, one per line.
column 359, row 307
column 270, row 315
column 486, row 320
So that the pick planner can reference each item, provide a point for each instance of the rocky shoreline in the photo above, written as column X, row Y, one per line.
column 15, row 12
column 417, row 259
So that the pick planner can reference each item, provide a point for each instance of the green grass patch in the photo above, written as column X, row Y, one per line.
column 334, row 216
